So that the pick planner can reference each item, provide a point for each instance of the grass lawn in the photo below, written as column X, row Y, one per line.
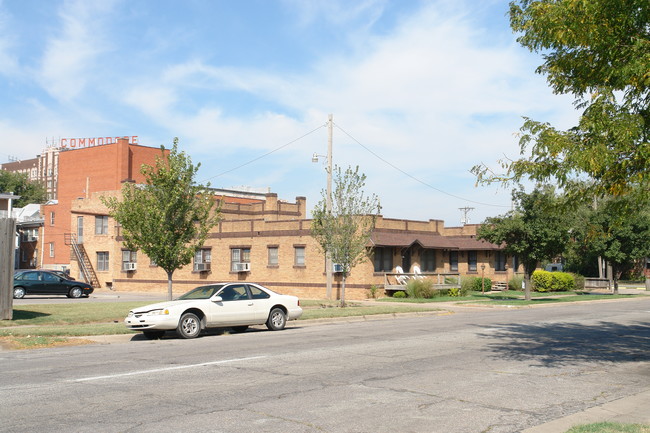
column 610, row 427
column 514, row 297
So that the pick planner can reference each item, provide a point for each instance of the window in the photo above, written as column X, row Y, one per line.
column 51, row 218
column 101, row 225
column 30, row 235
column 102, row 260
column 471, row 261
column 499, row 261
column 233, row 292
column 273, row 256
column 80, row 229
column 51, row 249
column 383, row 259
column 129, row 260
column 202, row 260
column 257, row 293
column 428, row 260
column 453, row 261
column 299, row 256
column 237, row 256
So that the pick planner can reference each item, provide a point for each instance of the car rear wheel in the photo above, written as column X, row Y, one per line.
column 19, row 292
column 75, row 292
column 189, row 326
column 277, row 320
column 153, row 335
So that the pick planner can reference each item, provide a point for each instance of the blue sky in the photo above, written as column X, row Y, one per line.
column 420, row 91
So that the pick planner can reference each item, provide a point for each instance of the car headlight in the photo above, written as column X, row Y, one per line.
column 159, row 312
column 130, row 314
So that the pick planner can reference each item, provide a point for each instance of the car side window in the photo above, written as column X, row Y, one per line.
column 50, row 278
column 30, row 276
column 234, row 292
column 258, row 293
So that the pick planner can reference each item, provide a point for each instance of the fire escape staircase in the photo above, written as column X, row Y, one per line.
column 79, row 254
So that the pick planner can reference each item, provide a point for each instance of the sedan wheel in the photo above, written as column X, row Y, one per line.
column 189, row 326
column 277, row 320
column 19, row 292
column 75, row 292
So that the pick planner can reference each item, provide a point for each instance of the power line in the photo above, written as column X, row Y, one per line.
column 413, row 177
column 266, row 154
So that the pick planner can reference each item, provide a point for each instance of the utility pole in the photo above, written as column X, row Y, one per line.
column 328, row 204
column 465, row 210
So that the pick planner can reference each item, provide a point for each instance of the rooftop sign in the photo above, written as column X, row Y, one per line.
column 75, row 143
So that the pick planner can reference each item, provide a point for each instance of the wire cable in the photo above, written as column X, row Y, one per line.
column 266, row 154
column 413, row 177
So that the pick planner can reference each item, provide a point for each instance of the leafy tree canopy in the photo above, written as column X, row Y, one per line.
column 537, row 230
column 170, row 216
column 598, row 51
column 29, row 192
column 345, row 231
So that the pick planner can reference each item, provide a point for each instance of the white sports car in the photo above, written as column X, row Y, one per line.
column 223, row 305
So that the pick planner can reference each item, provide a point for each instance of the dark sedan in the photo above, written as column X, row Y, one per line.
column 48, row 283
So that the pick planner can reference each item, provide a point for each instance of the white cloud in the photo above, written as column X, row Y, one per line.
column 73, row 56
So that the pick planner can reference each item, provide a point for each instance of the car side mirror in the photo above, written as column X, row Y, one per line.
column 217, row 299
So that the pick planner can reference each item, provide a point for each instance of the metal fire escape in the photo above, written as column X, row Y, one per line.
column 78, row 253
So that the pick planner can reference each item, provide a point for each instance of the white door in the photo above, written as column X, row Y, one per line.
column 235, row 308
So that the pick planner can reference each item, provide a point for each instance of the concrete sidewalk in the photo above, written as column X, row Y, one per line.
column 634, row 409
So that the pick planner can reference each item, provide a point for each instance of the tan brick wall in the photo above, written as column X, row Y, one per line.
column 267, row 229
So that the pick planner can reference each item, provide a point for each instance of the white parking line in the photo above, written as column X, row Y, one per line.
column 158, row 370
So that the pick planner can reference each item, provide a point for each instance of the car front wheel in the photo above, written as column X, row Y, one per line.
column 277, row 320
column 75, row 292
column 189, row 326
column 19, row 292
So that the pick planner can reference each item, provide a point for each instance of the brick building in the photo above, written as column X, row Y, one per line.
column 81, row 172
column 268, row 241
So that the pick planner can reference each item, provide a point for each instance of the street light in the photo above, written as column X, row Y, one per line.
column 328, row 200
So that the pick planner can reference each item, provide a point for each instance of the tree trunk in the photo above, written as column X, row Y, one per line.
column 169, row 286
column 343, row 289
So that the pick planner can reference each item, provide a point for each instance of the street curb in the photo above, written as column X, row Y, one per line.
column 626, row 410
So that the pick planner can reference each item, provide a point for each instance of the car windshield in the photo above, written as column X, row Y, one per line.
column 201, row 292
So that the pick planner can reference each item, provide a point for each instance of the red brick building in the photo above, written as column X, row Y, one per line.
column 82, row 172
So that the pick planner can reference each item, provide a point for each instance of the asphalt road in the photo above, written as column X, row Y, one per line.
column 500, row 370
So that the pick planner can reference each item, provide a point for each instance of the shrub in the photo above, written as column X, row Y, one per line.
column 516, row 283
column 399, row 294
column 455, row 292
column 373, row 290
column 544, row 281
column 420, row 288
column 579, row 281
column 468, row 284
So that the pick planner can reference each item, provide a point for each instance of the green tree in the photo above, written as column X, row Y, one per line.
column 168, row 217
column 19, row 184
column 599, row 52
column 535, row 231
column 619, row 241
column 345, row 230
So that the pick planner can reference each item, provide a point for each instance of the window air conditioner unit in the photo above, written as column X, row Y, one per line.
column 242, row 267
column 130, row 266
column 201, row 267
column 337, row 268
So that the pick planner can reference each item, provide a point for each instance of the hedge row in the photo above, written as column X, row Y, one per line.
column 544, row 281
